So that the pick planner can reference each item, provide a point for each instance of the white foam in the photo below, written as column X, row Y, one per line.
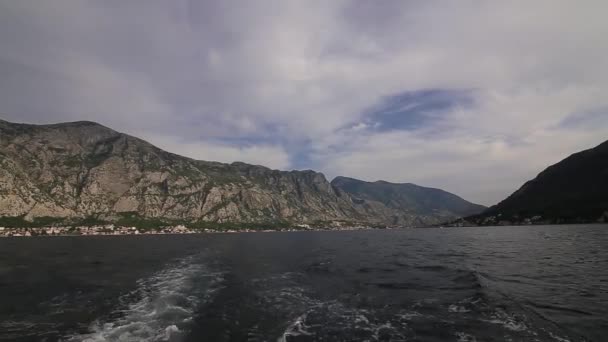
column 296, row 328
column 164, row 304
column 348, row 318
column 509, row 322
column 408, row 316
column 361, row 319
column 557, row 338
column 171, row 331
column 464, row 337
column 458, row 309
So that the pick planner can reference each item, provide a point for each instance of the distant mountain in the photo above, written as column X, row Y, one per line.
column 403, row 200
column 573, row 190
column 85, row 172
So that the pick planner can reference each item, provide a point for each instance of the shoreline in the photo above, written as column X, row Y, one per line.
column 6, row 233
column 132, row 231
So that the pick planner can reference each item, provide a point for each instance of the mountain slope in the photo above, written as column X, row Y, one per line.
column 407, row 199
column 573, row 190
column 83, row 170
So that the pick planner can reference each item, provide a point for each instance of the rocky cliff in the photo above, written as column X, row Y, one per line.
column 84, row 170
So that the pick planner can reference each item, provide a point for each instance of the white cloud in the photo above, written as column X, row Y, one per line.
column 274, row 157
column 288, row 76
column 483, row 153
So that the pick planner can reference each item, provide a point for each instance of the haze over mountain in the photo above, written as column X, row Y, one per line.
column 407, row 199
column 573, row 190
column 83, row 170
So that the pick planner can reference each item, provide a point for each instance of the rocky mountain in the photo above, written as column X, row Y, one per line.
column 85, row 171
column 573, row 190
column 400, row 201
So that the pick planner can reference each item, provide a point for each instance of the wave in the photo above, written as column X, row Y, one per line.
column 162, row 306
column 335, row 321
column 518, row 318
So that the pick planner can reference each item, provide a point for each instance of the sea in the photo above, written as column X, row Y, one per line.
column 532, row 283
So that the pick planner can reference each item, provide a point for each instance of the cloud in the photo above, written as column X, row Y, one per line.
column 274, row 157
column 415, row 109
column 473, row 97
column 483, row 168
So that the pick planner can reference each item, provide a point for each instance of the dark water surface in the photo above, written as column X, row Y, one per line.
column 472, row 284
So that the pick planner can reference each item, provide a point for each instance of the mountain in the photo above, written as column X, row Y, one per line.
column 573, row 190
column 400, row 201
column 83, row 171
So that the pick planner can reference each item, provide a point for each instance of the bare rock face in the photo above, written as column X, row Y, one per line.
column 83, row 169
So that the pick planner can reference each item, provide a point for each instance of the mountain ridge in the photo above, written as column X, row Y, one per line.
column 82, row 169
column 399, row 195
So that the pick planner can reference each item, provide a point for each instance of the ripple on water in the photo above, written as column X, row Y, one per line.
column 476, row 318
column 161, row 307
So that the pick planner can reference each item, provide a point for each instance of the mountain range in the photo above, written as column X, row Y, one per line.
column 85, row 172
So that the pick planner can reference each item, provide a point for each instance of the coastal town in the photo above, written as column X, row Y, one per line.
column 109, row 229
column 113, row 230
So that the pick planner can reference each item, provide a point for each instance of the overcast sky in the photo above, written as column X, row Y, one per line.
column 473, row 97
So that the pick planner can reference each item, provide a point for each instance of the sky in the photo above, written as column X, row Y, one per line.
column 474, row 97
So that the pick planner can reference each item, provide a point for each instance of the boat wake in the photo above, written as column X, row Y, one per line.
column 162, row 306
column 479, row 317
